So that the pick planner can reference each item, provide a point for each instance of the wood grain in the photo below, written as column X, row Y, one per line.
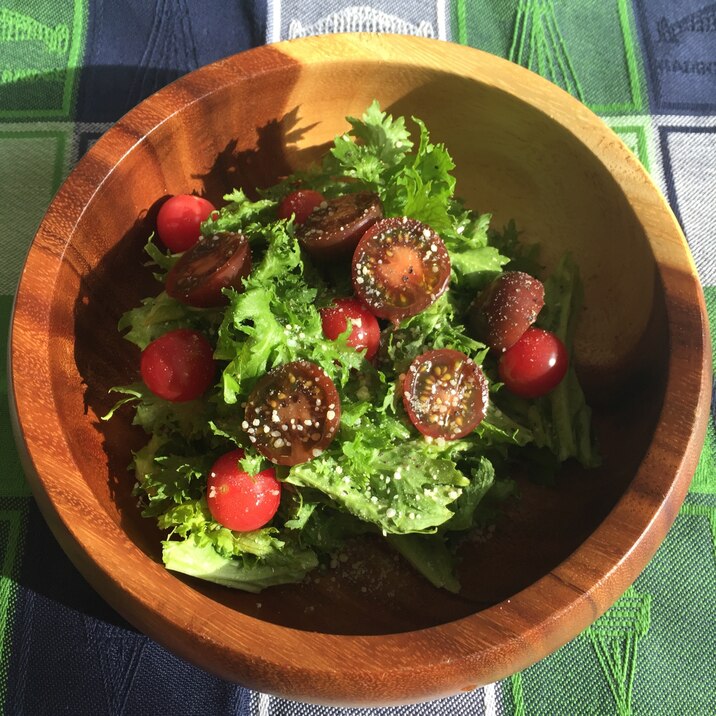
column 524, row 149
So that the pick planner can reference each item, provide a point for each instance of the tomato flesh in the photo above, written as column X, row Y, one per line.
column 334, row 227
column 293, row 413
column 400, row 267
column 445, row 394
column 299, row 204
column 535, row 365
column 179, row 219
column 216, row 262
column 365, row 331
column 240, row 501
column 178, row 366
column 506, row 308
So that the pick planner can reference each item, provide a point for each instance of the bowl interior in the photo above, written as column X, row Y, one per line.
column 512, row 160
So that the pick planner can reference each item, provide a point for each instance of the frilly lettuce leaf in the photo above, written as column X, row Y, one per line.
column 240, row 214
column 371, row 151
column 386, row 477
column 160, row 314
column 158, row 417
column 275, row 320
column 191, row 556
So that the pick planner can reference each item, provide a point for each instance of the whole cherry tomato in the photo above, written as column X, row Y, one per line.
column 300, row 204
column 179, row 365
column 345, row 312
column 240, row 501
column 535, row 365
column 179, row 220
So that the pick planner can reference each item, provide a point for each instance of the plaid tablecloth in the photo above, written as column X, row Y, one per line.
column 68, row 68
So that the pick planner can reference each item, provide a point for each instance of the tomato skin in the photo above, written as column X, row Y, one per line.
column 332, row 231
column 400, row 267
column 535, row 365
column 179, row 219
column 506, row 308
column 293, row 413
column 299, row 203
column 237, row 500
column 214, row 262
column 365, row 334
column 445, row 394
column 178, row 366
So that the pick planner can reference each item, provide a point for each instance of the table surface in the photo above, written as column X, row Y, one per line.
column 69, row 68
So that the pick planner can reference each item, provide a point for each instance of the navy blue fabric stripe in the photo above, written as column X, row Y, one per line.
column 679, row 38
column 134, row 47
column 72, row 654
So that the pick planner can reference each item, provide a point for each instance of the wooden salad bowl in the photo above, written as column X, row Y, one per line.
column 371, row 631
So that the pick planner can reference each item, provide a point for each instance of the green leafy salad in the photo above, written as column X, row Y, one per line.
column 353, row 353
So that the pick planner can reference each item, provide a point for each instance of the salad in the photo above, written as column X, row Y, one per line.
column 352, row 353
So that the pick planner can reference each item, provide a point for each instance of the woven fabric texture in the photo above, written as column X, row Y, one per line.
column 69, row 68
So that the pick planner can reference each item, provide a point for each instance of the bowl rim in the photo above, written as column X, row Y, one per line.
column 441, row 660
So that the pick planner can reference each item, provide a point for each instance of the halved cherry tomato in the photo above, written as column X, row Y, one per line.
column 179, row 219
column 300, row 204
column 293, row 413
column 400, row 267
column 240, row 501
column 365, row 334
column 506, row 309
column 535, row 365
column 333, row 228
column 216, row 262
column 179, row 365
column 445, row 394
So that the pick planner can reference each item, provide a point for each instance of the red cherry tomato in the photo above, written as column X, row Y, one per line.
column 445, row 394
column 300, row 204
column 365, row 334
column 534, row 365
column 332, row 231
column 240, row 501
column 179, row 365
column 400, row 267
column 179, row 219
column 213, row 263
column 293, row 413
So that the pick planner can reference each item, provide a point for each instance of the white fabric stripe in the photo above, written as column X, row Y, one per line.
column 292, row 19
column 441, row 12
column 694, row 178
column 489, row 694
column 264, row 705
column 273, row 21
column 273, row 24
column 684, row 120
